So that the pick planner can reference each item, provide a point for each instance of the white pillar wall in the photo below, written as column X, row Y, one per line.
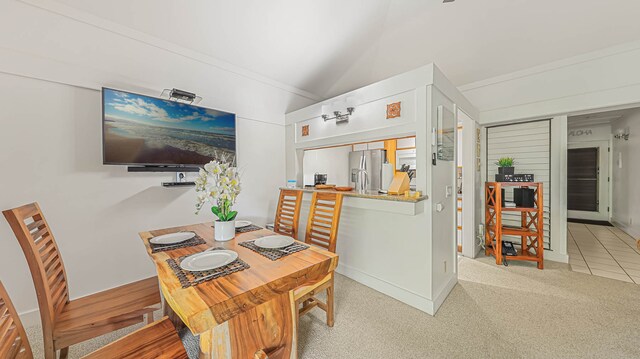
column 559, row 147
column 400, row 253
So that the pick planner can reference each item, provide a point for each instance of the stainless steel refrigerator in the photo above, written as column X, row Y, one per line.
column 365, row 167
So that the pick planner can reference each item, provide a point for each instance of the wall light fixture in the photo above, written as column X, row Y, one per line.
column 341, row 110
column 623, row 134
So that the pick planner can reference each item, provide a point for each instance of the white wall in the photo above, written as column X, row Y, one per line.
column 579, row 133
column 50, row 150
column 333, row 161
column 52, row 64
column 596, row 80
column 443, row 224
column 559, row 149
column 626, row 197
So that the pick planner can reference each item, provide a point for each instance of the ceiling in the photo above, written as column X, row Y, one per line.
column 328, row 47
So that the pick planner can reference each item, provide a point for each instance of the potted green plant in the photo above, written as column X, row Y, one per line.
column 505, row 165
column 218, row 183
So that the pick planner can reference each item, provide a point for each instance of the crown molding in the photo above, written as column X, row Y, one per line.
column 83, row 17
column 591, row 56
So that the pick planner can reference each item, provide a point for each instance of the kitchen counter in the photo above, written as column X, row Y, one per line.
column 367, row 194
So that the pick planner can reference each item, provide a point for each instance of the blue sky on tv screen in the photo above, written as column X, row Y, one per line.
column 151, row 111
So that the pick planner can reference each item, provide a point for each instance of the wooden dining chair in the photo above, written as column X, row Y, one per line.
column 67, row 322
column 154, row 341
column 322, row 231
column 14, row 343
column 288, row 213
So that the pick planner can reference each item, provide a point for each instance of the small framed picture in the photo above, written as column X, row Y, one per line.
column 393, row 110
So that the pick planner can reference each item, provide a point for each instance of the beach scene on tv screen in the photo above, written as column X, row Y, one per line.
column 145, row 130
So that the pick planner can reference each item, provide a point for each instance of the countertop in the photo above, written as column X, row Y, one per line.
column 367, row 194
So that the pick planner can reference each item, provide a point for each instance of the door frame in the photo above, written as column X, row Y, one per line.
column 470, row 175
column 604, row 181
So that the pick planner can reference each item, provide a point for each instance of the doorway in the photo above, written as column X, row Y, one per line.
column 467, row 180
column 588, row 180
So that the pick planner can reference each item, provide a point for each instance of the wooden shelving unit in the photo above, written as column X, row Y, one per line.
column 531, row 230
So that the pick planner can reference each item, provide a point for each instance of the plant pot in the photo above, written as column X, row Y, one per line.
column 506, row 170
column 224, row 231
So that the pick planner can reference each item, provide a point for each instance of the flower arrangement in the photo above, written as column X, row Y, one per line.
column 218, row 183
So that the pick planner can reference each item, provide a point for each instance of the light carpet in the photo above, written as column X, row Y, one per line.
column 493, row 312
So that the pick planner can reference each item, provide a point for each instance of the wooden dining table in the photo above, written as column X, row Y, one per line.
column 246, row 314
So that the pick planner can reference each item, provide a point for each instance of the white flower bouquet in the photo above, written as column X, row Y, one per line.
column 218, row 183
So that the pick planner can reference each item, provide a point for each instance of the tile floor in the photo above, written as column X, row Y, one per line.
column 603, row 251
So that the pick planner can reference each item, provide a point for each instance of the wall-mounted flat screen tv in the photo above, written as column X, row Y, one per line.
column 144, row 130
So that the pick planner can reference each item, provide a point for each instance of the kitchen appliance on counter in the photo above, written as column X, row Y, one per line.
column 319, row 178
column 387, row 176
column 406, row 162
column 365, row 169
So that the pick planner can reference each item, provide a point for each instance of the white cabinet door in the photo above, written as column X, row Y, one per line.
column 360, row 147
column 406, row 142
column 375, row 145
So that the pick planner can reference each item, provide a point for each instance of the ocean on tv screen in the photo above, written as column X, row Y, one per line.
column 145, row 130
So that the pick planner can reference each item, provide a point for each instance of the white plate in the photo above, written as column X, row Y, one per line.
column 208, row 260
column 172, row 238
column 241, row 224
column 272, row 242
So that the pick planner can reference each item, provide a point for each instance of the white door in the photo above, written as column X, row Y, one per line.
column 597, row 186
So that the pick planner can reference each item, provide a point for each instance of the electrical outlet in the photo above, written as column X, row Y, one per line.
column 630, row 221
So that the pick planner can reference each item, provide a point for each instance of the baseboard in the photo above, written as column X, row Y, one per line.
column 556, row 257
column 404, row 295
column 444, row 293
column 30, row 318
column 477, row 252
column 633, row 232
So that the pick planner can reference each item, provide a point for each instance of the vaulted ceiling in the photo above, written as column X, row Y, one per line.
column 328, row 47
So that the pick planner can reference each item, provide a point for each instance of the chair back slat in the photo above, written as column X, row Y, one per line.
column 324, row 218
column 288, row 213
column 43, row 257
column 14, row 343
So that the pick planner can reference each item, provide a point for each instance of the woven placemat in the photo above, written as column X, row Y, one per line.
column 188, row 279
column 195, row 241
column 249, row 228
column 275, row 254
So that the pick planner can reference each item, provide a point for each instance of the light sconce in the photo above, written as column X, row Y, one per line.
column 341, row 110
column 622, row 135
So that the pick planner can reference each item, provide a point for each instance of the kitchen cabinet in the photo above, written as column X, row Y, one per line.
column 375, row 145
column 409, row 142
column 360, row 147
